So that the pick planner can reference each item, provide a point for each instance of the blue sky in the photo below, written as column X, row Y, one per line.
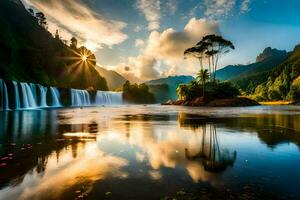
column 149, row 36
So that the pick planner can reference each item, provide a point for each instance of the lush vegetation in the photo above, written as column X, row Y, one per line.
column 29, row 52
column 283, row 82
column 135, row 93
column 209, row 90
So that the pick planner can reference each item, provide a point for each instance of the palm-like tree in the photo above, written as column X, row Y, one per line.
column 202, row 78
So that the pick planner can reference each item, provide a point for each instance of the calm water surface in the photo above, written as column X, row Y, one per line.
column 150, row 152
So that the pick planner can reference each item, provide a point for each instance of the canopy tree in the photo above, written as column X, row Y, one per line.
column 210, row 47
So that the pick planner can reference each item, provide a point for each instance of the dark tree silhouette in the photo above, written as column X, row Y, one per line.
column 73, row 44
column 30, row 10
column 56, row 36
column 215, row 46
column 210, row 47
column 41, row 19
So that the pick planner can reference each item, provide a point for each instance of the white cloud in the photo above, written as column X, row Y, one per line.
column 76, row 18
column 245, row 6
column 170, row 44
column 214, row 9
column 139, row 43
column 163, row 52
column 151, row 11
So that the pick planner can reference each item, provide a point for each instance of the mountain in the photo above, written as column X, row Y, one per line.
column 114, row 80
column 164, row 89
column 265, row 61
column 29, row 53
column 282, row 82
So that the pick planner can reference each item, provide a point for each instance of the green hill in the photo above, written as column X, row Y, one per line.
column 28, row 52
column 247, row 77
column 283, row 82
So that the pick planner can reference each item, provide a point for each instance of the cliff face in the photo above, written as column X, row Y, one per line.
column 28, row 52
column 269, row 52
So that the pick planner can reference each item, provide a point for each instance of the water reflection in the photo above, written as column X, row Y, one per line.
column 91, row 153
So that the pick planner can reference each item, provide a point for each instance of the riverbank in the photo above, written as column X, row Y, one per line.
column 232, row 102
column 277, row 103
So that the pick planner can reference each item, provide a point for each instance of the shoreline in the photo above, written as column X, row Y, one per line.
column 200, row 102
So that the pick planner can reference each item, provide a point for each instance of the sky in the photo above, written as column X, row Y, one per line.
column 145, row 39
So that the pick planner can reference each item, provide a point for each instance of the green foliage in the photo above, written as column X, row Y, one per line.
column 294, row 93
column 212, row 90
column 137, row 93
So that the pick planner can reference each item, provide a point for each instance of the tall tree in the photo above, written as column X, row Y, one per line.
column 210, row 47
column 197, row 52
column 215, row 47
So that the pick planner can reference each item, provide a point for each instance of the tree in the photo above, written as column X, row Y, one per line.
column 202, row 77
column 56, row 36
column 31, row 12
column 73, row 44
column 41, row 19
column 210, row 47
column 197, row 52
column 215, row 46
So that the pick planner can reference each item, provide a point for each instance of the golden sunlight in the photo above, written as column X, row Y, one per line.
column 84, row 58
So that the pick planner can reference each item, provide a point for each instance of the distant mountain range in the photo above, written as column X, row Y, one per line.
column 165, row 88
column 265, row 61
column 114, row 80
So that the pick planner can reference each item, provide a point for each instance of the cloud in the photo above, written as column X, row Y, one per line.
column 144, row 67
column 141, row 68
column 139, row 43
column 74, row 17
column 170, row 44
column 214, row 9
column 162, row 54
column 245, row 6
column 151, row 11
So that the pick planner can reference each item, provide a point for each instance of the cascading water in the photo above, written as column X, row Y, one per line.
column 55, row 97
column 4, row 103
column 32, row 96
column 17, row 96
column 28, row 97
column 80, row 98
column 109, row 98
column 43, row 96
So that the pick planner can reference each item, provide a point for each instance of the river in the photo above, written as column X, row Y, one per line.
column 150, row 152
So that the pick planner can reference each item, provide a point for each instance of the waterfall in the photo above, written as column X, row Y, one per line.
column 109, row 98
column 28, row 97
column 43, row 96
column 4, row 103
column 80, row 97
column 34, row 96
column 55, row 97
column 17, row 96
